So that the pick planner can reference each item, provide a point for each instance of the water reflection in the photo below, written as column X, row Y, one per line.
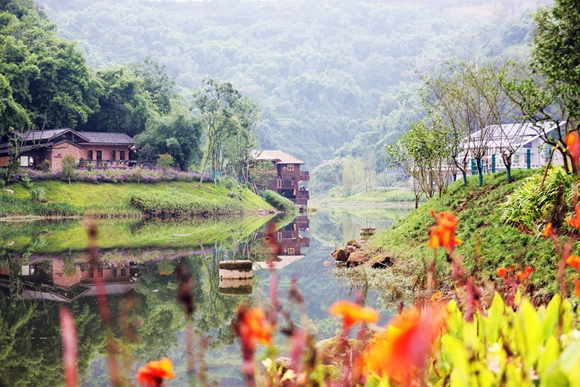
column 44, row 267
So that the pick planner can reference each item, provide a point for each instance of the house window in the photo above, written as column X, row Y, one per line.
column 90, row 155
column 99, row 155
column 279, row 237
column 121, row 155
column 290, row 167
column 100, row 272
column 115, row 273
column 279, row 185
column 113, row 155
column 123, row 272
column 290, row 251
column 91, row 273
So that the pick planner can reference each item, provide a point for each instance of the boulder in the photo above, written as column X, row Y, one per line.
column 356, row 259
column 341, row 255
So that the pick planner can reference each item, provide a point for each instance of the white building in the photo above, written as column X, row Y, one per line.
column 523, row 138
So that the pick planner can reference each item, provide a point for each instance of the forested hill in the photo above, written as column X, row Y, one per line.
column 329, row 75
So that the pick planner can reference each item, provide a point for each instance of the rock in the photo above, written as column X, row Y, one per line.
column 380, row 263
column 341, row 255
column 353, row 243
column 356, row 259
column 327, row 263
column 9, row 191
column 350, row 248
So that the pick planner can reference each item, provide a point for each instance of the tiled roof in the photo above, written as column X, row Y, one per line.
column 36, row 135
column 275, row 155
column 107, row 138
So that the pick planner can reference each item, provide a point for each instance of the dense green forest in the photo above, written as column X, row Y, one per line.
column 332, row 77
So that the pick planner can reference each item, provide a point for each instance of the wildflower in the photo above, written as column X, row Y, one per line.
column 577, row 285
column 548, row 230
column 574, row 261
column 443, row 234
column 154, row 373
column 522, row 276
column 253, row 328
column 353, row 313
column 502, row 272
column 401, row 351
column 573, row 146
column 575, row 220
column 435, row 297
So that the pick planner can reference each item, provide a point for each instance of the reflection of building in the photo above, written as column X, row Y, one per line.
column 56, row 282
column 290, row 243
column 288, row 175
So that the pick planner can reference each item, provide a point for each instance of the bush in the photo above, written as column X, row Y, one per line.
column 38, row 194
column 227, row 182
column 68, row 165
column 45, row 166
column 170, row 204
column 279, row 202
column 165, row 161
column 27, row 182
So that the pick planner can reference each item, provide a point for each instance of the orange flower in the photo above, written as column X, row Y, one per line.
column 548, row 230
column 573, row 146
column 577, row 291
column 400, row 352
column 575, row 220
column 521, row 277
column 154, row 372
column 253, row 328
column 443, row 234
column 353, row 313
column 574, row 261
column 511, row 269
column 502, row 272
column 435, row 297
column 528, row 271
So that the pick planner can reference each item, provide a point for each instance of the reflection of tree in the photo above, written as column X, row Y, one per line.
column 30, row 350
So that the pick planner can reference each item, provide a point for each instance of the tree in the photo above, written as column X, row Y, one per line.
column 216, row 104
column 424, row 152
column 262, row 174
column 177, row 134
column 556, row 52
column 165, row 161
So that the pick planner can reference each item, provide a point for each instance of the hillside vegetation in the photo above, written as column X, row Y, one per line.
column 487, row 242
column 331, row 77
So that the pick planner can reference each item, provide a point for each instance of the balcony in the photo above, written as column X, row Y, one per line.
column 303, row 195
column 83, row 163
column 300, row 202
column 287, row 183
column 304, row 176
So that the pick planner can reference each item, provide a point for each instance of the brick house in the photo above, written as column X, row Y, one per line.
column 101, row 149
column 288, row 175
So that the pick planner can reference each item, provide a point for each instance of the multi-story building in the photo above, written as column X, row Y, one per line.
column 288, row 175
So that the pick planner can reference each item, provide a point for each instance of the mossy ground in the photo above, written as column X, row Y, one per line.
column 488, row 243
column 115, row 199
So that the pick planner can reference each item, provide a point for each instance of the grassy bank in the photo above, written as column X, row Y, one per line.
column 488, row 243
column 129, row 199
column 371, row 196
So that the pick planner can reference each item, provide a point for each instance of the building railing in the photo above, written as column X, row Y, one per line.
column 302, row 195
column 83, row 163
column 304, row 176
column 287, row 183
column 300, row 202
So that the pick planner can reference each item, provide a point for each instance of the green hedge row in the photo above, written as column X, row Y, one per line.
column 279, row 202
column 182, row 204
column 12, row 206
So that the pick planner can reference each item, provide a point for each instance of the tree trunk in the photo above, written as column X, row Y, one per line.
column 479, row 171
column 464, row 174
column 508, row 169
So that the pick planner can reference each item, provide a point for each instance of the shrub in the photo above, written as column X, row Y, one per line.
column 68, row 164
column 279, row 201
column 165, row 161
column 38, row 194
column 27, row 182
column 45, row 166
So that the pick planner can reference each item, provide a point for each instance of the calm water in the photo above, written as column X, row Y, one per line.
column 41, row 268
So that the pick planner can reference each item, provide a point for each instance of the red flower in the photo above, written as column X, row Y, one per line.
column 577, row 291
column 400, row 353
column 521, row 277
column 155, row 372
column 353, row 313
column 443, row 234
column 575, row 220
column 502, row 272
column 253, row 328
column 528, row 271
column 574, row 261
column 435, row 297
column 573, row 146
column 549, row 230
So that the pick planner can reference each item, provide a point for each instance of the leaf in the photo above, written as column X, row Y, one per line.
column 530, row 326
column 551, row 319
column 288, row 375
column 549, row 355
column 494, row 318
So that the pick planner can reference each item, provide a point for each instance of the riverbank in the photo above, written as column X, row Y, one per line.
column 175, row 198
column 487, row 242
column 374, row 196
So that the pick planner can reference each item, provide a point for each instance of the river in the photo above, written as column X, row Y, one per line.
column 42, row 266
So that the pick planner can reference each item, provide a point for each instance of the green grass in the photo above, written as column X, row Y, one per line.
column 116, row 199
column 486, row 238
column 373, row 195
